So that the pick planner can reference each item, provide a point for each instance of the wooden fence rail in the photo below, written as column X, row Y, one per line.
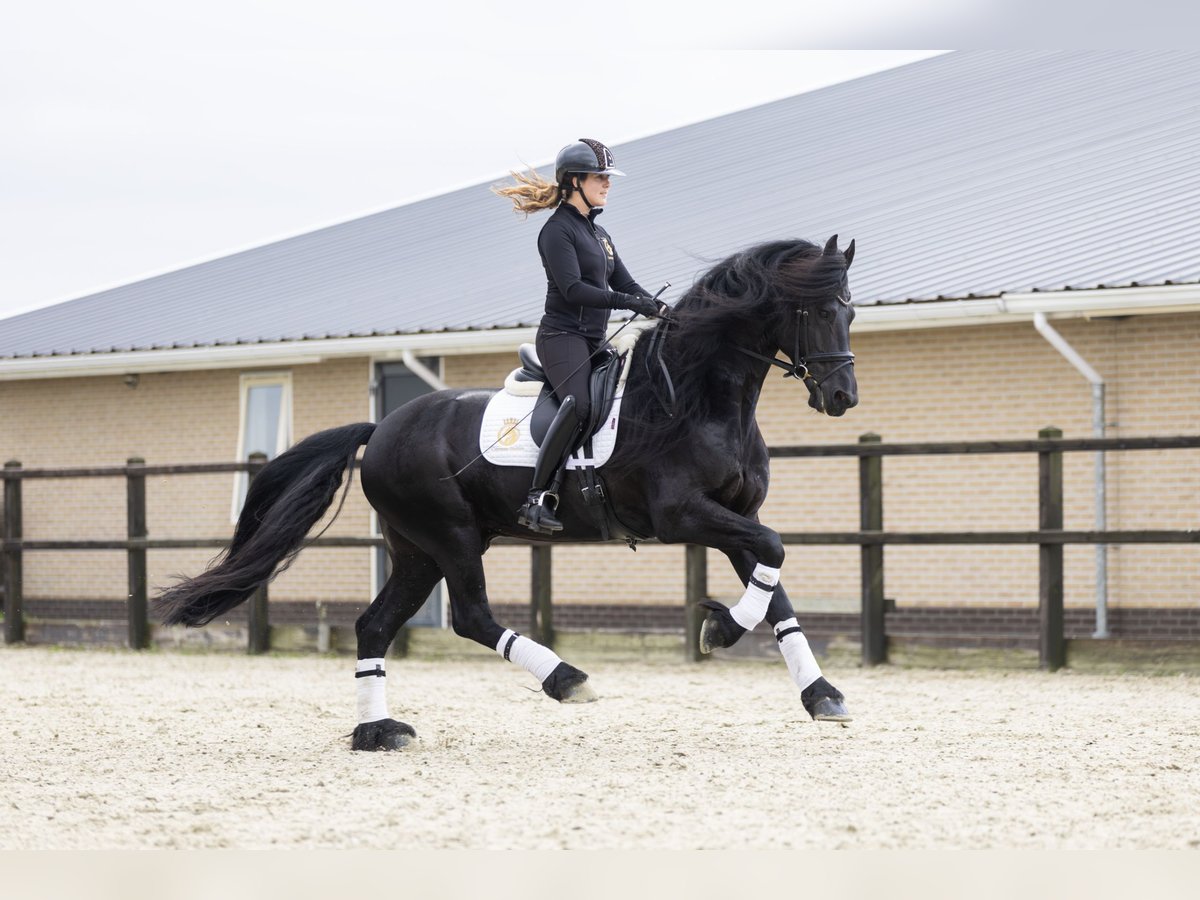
column 1050, row 538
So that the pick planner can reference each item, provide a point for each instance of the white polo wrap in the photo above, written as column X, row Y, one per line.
column 751, row 609
column 372, row 690
column 535, row 659
column 797, row 654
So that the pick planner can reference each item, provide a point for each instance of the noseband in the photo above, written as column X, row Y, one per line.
column 801, row 358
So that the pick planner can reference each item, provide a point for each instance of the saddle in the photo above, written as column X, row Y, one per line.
column 603, row 384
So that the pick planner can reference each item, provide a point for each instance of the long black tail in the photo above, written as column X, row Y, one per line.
column 288, row 496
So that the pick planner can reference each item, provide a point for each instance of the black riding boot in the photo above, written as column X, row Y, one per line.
column 538, row 512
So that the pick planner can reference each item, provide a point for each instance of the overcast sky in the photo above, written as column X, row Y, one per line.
column 139, row 137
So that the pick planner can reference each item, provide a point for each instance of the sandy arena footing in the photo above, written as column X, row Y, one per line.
column 122, row 750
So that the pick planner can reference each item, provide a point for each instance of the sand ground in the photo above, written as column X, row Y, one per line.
column 120, row 750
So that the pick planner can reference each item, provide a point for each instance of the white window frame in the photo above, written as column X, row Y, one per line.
column 283, row 436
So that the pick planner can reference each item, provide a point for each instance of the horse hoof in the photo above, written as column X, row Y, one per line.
column 581, row 693
column 824, row 702
column 567, row 684
column 386, row 734
column 707, row 634
column 719, row 629
column 826, row 709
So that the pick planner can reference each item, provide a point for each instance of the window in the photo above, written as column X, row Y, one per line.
column 265, row 413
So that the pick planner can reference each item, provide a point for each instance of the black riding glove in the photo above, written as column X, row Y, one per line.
column 642, row 305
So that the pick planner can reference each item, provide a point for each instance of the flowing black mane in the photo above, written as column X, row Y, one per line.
column 735, row 303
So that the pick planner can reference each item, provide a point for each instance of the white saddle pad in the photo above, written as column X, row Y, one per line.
column 505, row 440
column 504, row 437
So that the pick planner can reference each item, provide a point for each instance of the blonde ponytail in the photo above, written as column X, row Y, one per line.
column 531, row 193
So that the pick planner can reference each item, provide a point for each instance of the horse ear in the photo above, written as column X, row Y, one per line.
column 849, row 254
column 831, row 246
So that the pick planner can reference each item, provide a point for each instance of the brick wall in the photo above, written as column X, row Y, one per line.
column 178, row 417
column 973, row 383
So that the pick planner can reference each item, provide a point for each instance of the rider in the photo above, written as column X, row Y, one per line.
column 585, row 279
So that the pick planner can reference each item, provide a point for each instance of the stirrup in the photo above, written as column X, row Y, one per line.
column 537, row 515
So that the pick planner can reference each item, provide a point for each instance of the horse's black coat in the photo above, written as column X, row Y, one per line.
column 697, row 477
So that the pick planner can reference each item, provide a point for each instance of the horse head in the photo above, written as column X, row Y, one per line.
column 813, row 327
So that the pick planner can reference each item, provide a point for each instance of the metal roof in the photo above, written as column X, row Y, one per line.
column 965, row 175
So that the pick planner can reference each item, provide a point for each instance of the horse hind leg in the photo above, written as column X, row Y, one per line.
column 414, row 576
column 472, row 618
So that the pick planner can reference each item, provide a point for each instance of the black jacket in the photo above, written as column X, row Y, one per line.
column 585, row 277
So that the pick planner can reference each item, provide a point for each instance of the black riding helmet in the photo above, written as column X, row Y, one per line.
column 584, row 157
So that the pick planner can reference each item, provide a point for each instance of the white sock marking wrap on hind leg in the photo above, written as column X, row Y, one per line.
column 751, row 609
column 369, row 678
column 537, row 660
column 797, row 654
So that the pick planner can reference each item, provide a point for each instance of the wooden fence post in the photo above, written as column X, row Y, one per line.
column 541, row 613
column 14, row 611
column 696, row 590
column 870, row 493
column 1052, row 648
column 259, row 625
column 135, row 516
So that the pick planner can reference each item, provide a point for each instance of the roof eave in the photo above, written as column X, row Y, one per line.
column 1008, row 308
column 273, row 354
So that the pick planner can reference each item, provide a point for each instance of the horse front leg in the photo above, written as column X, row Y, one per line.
column 701, row 520
column 822, row 700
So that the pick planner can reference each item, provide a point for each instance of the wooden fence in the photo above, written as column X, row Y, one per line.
column 870, row 450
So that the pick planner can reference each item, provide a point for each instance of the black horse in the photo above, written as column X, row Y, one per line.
column 691, row 471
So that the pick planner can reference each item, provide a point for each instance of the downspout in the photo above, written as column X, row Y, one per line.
column 1060, row 344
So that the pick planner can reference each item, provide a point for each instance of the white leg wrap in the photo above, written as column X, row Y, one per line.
column 372, row 690
column 537, row 660
column 749, row 611
column 797, row 654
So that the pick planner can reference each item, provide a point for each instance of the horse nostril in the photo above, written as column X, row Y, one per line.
column 844, row 400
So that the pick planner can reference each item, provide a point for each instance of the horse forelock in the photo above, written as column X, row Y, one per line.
column 761, row 283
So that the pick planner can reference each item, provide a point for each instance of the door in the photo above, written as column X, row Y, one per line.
column 397, row 385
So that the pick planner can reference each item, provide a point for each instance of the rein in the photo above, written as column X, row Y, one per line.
column 654, row 351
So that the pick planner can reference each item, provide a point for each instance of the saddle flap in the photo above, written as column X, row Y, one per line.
column 603, row 388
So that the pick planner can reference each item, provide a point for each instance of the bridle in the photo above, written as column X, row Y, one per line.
column 802, row 359
column 799, row 368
